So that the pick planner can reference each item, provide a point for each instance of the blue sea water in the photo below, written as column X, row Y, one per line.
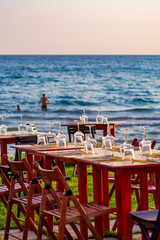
column 123, row 88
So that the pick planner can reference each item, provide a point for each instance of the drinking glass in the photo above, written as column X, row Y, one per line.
column 128, row 152
column 108, row 140
column 3, row 128
column 41, row 139
column 78, row 137
column 126, row 149
column 90, row 139
column 30, row 128
column 51, row 136
column 90, row 143
column 61, row 138
column 22, row 127
column 105, row 120
column 145, row 145
column 84, row 118
column 99, row 118
column 88, row 147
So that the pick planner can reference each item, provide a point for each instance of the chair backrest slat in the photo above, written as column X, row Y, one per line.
column 15, row 165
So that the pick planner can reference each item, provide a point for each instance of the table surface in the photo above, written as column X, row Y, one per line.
column 93, row 123
column 14, row 134
column 110, row 159
column 48, row 147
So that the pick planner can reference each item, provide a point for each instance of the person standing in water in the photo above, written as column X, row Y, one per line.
column 44, row 101
column 18, row 108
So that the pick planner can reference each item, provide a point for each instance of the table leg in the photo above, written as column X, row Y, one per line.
column 143, row 191
column 60, row 164
column 47, row 162
column 157, row 202
column 113, row 130
column 83, row 193
column 105, row 195
column 123, row 204
column 29, row 158
column 105, row 130
column 3, row 151
column 97, row 193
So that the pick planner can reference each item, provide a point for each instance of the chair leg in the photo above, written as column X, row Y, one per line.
column 63, row 217
column 112, row 190
column 41, row 218
column 9, row 210
column 27, row 216
column 8, row 220
column 145, row 232
column 12, row 214
column 40, row 226
column 77, row 232
column 75, row 170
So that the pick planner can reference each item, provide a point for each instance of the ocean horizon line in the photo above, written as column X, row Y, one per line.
column 79, row 54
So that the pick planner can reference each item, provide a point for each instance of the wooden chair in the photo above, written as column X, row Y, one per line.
column 30, row 200
column 4, row 192
column 84, row 129
column 148, row 221
column 67, row 214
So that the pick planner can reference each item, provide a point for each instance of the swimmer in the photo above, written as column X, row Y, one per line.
column 44, row 101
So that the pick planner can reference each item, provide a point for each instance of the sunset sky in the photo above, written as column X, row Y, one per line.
column 79, row 26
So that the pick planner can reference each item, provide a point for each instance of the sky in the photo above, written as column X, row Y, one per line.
column 80, row 27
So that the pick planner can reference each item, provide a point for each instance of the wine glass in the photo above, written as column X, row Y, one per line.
column 90, row 138
column 126, row 149
column 84, row 118
column 22, row 127
column 78, row 137
column 30, row 128
column 90, row 143
column 51, row 136
column 41, row 140
column 108, row 140
column 105, row 119
column 3, row 128
column 145, row 145
column 61, row 138
column 99, row 118
column 88, row 147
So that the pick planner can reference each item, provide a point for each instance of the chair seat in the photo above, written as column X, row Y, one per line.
column 4, row 189
column 146, row 218
column 36, row 200
column 72, row 213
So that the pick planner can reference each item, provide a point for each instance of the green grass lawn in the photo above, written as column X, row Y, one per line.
column 73, row 182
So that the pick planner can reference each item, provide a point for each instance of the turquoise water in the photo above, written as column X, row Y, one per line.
column 121, row 87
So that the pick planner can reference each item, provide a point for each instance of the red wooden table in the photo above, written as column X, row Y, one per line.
column 34, row 151
column 100, row 126
column 122, row 170
column 11, row 138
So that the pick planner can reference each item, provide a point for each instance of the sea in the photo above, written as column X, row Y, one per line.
column 120, row 87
